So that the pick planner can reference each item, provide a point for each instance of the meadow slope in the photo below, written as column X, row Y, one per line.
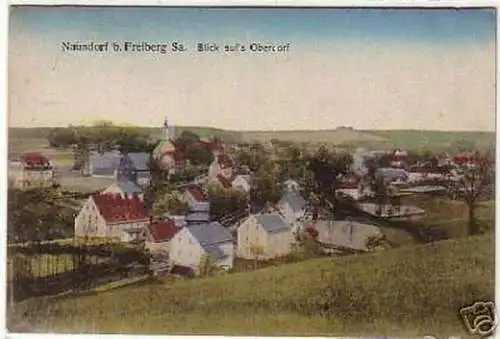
column 412, row 290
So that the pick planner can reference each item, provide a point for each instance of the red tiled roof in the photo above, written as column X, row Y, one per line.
column 225, row 161
column 34, row 159
column 162, row 231
column 114, row 208
column 197, row 193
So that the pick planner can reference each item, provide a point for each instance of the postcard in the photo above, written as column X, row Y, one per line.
column 251, row 171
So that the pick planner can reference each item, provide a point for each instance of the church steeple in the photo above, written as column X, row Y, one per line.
column 166, row 135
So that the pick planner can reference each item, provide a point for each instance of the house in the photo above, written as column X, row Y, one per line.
column 31, row 170
column 102, row 164
column 159, row 234
column 343, row 235
column 292, row 206
column 191, row 244
column 393, row 212
column 135, row 167
column 123, row 188
column 264, row 236
column 196, row 198
column 107, row 215
column 291, row 185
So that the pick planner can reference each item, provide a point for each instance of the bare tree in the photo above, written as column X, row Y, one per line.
column 474, row 182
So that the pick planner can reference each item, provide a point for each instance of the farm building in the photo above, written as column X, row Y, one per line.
column 159, row 234
column 31, row 170
column 104, row 164
column 107, row 215
column 343, row 235
column 264, row 236
column 191, row 244
column 136, row 168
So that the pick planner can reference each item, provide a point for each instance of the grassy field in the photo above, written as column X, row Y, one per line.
column 410, row 291
column 326, row 136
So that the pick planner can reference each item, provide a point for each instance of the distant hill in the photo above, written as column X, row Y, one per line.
column 410, row 291
column 342, row 137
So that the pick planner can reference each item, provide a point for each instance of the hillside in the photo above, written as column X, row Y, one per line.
column 413, row 290
column 26, row 138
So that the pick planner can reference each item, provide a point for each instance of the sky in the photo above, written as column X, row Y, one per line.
column 365, row 68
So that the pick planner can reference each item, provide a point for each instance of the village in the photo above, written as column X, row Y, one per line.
column 343, row 208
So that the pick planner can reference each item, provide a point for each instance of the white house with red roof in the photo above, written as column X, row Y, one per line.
column 108, row 215
column 31, row 170
column 159, row 234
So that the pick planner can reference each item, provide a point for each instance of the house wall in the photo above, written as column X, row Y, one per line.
column 158, row 247
column 114, row 230
column 25, row 178
column 89, row 222
column 127, row 236
column 185, row 250
column 250, row 234
column 228, row 248
column 279, row 244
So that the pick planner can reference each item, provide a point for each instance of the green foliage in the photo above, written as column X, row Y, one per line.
column 34, row 214
column 172, row 202
column 198, row 155
column 225, row 202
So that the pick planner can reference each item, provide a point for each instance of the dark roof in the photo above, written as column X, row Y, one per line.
column 139, row 161
column 114, row 208
column 272, row 223
column 105, row 163
column 210, row 233
column 294, row 199
column 197, row 217
column 129, row 187
column 162, row 231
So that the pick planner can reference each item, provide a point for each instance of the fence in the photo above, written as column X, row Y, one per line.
column 51, row 268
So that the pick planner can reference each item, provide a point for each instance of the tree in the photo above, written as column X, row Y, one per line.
column 266, row 185
column 186, row 139
column 172, row 202
column 224, row 202
column 475, row 181
column 328, row 168
column 198, row 155
column 62, row 137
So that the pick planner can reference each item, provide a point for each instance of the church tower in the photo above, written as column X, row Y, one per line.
column 166, row 135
